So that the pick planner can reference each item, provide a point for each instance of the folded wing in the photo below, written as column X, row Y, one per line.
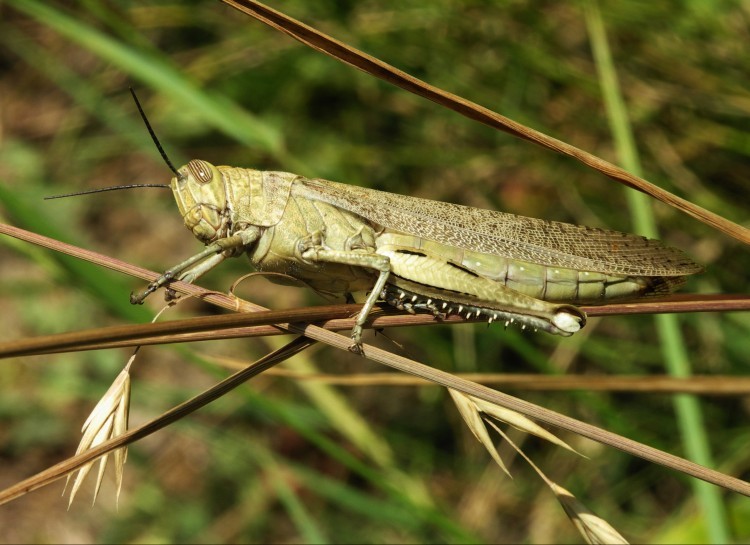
column 548, row 243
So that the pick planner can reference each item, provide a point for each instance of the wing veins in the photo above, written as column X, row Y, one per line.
column 534, row 240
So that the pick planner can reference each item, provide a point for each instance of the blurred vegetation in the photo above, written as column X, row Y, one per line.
column 270, row 463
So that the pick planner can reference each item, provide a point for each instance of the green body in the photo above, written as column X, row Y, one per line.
column 341, row 239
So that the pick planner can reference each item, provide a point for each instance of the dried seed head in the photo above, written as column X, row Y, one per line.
column 108, row 419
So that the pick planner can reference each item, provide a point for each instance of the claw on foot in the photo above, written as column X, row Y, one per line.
column 137, row 298
column 170, row 295
column 356, row 346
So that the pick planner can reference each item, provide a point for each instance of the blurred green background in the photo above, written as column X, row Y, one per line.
column 283, row 460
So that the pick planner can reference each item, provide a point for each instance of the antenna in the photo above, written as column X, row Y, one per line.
column 113, row 188
column 101, row 190
column 153, row 135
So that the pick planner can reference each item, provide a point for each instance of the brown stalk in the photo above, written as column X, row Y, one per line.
column 404, row 365
column 379, row 69
column 331, row 317
column 706, row 385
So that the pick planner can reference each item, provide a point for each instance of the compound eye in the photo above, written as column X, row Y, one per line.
column 201, row 171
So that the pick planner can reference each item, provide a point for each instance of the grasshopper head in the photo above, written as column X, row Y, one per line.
column 201, row 197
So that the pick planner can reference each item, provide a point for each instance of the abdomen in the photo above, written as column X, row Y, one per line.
column 554, row 284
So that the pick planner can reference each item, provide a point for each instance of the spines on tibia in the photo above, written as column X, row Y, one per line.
column 413, row 298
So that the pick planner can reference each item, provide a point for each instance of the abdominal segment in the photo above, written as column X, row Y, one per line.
column 548, row 283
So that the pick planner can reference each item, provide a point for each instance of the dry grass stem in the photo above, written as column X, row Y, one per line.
column 697, row 384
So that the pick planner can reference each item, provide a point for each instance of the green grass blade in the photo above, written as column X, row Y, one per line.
column 162, row 75
column 82, row 90
column 687, row 407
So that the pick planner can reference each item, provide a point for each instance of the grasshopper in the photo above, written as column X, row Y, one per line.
column 416, row 254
